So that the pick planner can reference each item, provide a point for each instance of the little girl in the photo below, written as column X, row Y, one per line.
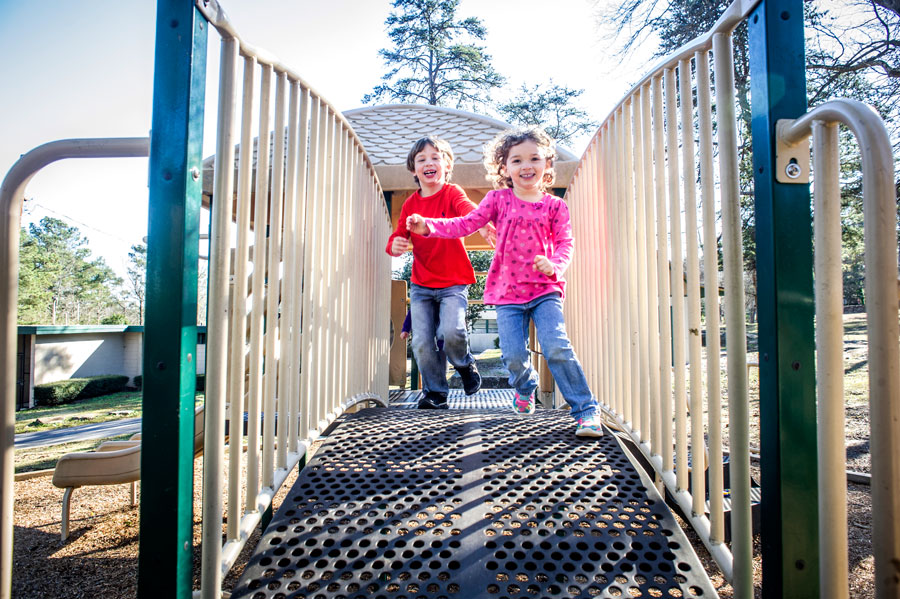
column 525, row 281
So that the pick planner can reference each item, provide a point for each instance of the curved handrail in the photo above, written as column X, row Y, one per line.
column 12, row 197
column 217, row 17
column 736, row 12
column 879, row 223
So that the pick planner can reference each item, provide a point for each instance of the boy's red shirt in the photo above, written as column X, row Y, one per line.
column 437, row 263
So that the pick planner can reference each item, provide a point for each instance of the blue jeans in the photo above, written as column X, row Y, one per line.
column 546, row 312
column 439, row 313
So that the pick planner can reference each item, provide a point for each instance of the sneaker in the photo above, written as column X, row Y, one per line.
column 589, row 427
column 433, row 401
column 471, row 380
column 523, row 405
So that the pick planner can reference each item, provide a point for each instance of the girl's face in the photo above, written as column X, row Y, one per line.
column 431, row 168
column 525, row 165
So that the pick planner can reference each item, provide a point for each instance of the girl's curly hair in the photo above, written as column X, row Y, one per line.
column 497, row 152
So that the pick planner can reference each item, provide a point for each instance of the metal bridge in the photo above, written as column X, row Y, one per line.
column 475, row 502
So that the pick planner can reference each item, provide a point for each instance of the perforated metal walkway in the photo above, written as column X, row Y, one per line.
column 468, row 503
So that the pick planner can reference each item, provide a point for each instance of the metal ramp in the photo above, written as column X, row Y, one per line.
column 467, row 503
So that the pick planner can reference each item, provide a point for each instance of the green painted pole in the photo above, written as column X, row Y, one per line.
column 170, row 337
column 786, row 308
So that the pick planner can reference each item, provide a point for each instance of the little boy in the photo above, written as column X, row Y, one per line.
column 441, row 274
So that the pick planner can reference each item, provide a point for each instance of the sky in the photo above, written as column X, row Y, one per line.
column 85, row 69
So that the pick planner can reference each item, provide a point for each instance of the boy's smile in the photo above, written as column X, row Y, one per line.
column 431, row 167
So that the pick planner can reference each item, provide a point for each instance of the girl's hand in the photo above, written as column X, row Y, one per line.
column 404, row 335
column 399, row 245
column 489, row 233
column 416, row 224
column 543, row 265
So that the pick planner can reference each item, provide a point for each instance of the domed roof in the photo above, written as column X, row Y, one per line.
column 389, row 131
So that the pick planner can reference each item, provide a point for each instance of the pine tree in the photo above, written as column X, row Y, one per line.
column 435, row 58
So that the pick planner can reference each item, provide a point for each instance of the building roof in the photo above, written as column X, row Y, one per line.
column 388, row 131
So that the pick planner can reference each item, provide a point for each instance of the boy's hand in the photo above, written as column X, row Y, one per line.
column 404, row 335
column 399, row 245
column 416, row 224
column 489, row 232
column 543, row 265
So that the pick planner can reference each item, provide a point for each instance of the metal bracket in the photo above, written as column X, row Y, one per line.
column 791, row 160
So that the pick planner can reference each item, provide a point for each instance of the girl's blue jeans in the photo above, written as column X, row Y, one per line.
column 439, row 313
column 546, row 312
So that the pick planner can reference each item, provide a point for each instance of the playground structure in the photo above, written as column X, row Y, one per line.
column 315, row 341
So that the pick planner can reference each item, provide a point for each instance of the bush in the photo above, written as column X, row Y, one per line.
column 115, row 319
column 137, row 382
column 60, row 392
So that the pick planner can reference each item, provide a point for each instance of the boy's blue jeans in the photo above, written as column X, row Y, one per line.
column 546, row 312
column 439, row 313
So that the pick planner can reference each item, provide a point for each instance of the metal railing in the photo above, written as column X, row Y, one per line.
column 317, row 281
column 880, row 233
column 636, row 285
column 12, row 197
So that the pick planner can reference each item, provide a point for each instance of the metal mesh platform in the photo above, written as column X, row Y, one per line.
column 470, row 504
column 486, row 399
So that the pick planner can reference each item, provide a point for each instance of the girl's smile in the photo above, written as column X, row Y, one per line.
column 526, row 165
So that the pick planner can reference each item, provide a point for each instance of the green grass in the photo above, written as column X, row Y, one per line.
column 125, row 404
column 43, row 458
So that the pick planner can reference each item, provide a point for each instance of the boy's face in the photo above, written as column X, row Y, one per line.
column 431, row 167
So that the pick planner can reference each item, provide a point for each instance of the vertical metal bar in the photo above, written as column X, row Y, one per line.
column 652, row 288
column 632, row 407
column 601, row 334
column 239, row 304
column 319, row 276
column 832, row 460
column 170, row 338
column 664, row 420
column 325, row 365
column 299, row 399
column 258, row 286
column 217, row 326
column 879, row 222
column 676, row 276
column 595, row 230
column 286, row 313
column 623, row 355
column 736, row 327
column 786, row 344
column 692, row 263
column 309, row 280
column 642, row 418
column 711, row 277
column 273, row 276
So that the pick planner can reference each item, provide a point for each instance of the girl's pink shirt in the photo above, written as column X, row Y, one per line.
column 524, row 230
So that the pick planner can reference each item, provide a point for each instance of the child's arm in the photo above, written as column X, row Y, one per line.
column 398, row 242
column 563, row 243
column 451, row 228
column 462, row 205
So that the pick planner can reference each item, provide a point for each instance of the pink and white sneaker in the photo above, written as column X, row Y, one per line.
column 523, row 405
column 590, row 427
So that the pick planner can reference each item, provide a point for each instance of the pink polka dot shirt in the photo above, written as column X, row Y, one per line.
column 524, row 230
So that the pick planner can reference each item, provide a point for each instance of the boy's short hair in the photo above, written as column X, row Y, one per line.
column 438, row 144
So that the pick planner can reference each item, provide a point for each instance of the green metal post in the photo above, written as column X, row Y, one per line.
column 170, row 334
column 786, row 309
